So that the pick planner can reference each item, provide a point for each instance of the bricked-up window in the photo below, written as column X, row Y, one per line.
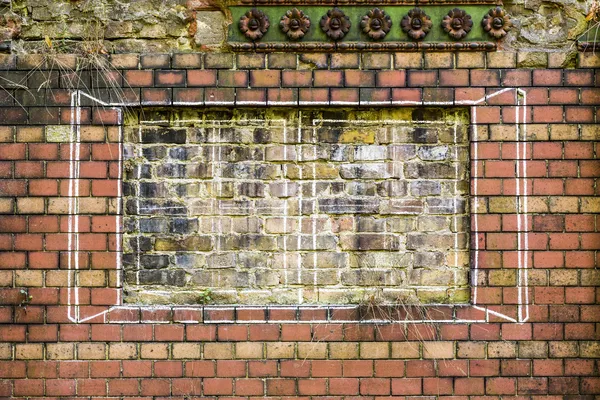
column 291, row 206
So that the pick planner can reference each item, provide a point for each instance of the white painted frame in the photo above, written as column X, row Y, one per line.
column 74, row 308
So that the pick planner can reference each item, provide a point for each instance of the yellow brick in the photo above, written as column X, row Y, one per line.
column 30, row 205
column 5, row 351
column 58, row 206
column 154, row 350
column 280, row 350
column 502, row 350
column 60, row 351
column 7, row 134
column 502, row 204
column 406, row 350
column 470, row 60
column 91, row 351
column 535, row 204
column 245, row 350
column 501, row 59
column 370, row 350
column 564, row 204
column 92, row 205
column 590, row 205
column 563, row 277
column 537, row 278
column 533, row 349
column 29, row 278
column 7, row 206
column 590, row 132
column 93, row 134
column 436, row 60
column 563, row 349
column 218, row 351
column 92, row 278
column 590, row 349
column 408, row 60
column 343, row 351
column 29, row 351
column 470, row 350
column 588, row 59
column 502, row 132
column 564, row 132
column 122, row 351
column 438, row 349
column 184, row 350
column 479, row 205
column 538, row 132
column 30, row 134
column 56, row 278
column 502, row 277
column 312, row 350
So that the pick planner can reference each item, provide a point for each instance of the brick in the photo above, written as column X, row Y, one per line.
column 251, row 96
column 485, row 77
column 516, row 77
column 221, row 96
column 435, row 60
column 281, row 387
column 187, row 60
column 454, row 77
column 313, row 96
column 201, row 77
column 266, row 78
column 139, row 78
column 344, row 96
column 353, row 78
column 233, row 78
column 547, row 114
column 547, row 77
column 579, row 114
column 421, row 78
column 155, row 61
column 218, row 60
column 345, row 60
column 296, row 78
column 563, row 96
column 403, row 96
column 282, row 60
column 328, row 78
column 26, row 134
column 471, row 60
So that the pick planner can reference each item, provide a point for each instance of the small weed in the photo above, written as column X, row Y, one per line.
column 25, row 298
column 205, row 296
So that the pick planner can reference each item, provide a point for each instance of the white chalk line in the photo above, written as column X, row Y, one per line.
column 75, row 173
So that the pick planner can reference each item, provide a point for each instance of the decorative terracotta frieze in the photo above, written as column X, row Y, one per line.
column 416, row 24
column 437, row 26
column 295, row 24
column 335, row 24
column 254, row 24
column 457, row 24
column 496, row 22
column 376, row 24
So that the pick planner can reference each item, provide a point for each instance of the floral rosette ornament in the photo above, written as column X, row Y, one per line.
column 457, row 23
column 335, row 24
column 496, row 22
column 294, row 24
column 254, row 24
column 416, row 24
column 376, row 24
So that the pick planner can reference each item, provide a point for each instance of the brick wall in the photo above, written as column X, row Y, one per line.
column 298, row 206
column 530, row 329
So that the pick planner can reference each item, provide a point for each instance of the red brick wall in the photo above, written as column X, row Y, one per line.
column 50, row 347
